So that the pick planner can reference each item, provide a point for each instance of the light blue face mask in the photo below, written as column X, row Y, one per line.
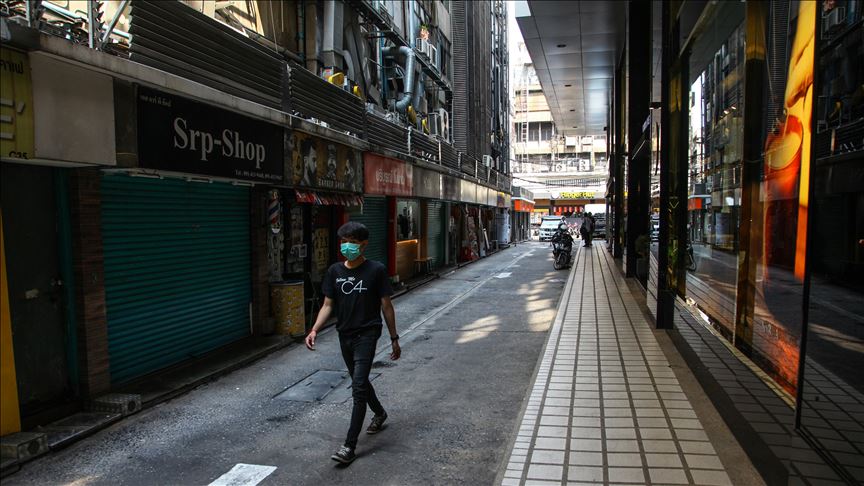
column 351, row 251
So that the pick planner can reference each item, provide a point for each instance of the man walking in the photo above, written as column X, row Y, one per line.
column 358, row 290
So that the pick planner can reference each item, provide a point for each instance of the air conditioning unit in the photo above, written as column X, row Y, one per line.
column 488, row 160
column 443, row 124
column 427, row 50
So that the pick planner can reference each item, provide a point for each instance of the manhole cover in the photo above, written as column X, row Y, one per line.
column 323, row 385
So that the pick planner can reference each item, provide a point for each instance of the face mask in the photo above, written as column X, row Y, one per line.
column 351, row 251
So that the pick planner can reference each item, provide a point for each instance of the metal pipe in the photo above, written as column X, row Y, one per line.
column 408, row 88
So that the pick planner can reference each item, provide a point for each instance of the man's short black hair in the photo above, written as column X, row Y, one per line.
column 354, row 230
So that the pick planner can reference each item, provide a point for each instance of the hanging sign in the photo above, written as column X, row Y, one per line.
column 16, row 106
column 321, row 164
column 181, row 135
column 386, row 176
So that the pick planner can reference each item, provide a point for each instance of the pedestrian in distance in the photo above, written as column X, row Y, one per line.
column 358, row 292
column 583, row 231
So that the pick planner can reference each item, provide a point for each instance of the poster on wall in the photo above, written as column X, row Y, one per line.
column 321, row 164
column 181, row 135
column 773, row 339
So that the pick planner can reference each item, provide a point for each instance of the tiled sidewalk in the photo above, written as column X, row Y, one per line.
column 605, row 406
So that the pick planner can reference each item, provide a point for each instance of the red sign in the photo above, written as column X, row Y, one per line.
column 386, row 176
column 522, row 206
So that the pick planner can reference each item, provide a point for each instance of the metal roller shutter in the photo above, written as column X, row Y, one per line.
column 374, row 216
column 435, row 227
column 177, row 270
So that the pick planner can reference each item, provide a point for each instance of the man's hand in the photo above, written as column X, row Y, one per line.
column 310, row 340
column 397, row 351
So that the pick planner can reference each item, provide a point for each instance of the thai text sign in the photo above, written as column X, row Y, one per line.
column 16, row 105
column 386, row 176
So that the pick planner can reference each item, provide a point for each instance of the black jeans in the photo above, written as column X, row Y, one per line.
column 358, row 351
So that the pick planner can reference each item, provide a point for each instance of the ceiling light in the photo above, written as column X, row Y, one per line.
column 562, row 45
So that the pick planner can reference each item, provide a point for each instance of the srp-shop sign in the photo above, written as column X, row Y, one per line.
column 181, row 135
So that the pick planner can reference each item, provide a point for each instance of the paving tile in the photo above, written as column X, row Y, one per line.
column 556, row 411
column 681, row 413
column 510, row 482
column 585, row 411
column 664, row 460
column 626, row 475
column 691, row 434
column 698, row 461
column 622, row 445
column 659, row 446
column 585, row 422
column 584, row 473
column 618, row 422
column 621, row 433
column 545, row 471
column 650, row 412
column 713, row 478
column 690, row 447
column 661, row 434
column 625, row 459
column 668, row 476
column 550, row 443
column 680, row 423
column 586, row 458
column 653, row 422
column 618, row 412
column 586, row 445
column 550, row 431
column 513, row 474
column 547, row 457
column 586, row 433
column 558, row 420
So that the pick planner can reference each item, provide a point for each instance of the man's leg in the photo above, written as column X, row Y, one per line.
column 363, row 352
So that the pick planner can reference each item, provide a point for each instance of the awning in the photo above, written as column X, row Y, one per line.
column 328, row 198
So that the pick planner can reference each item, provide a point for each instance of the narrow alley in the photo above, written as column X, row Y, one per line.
column 471, row 341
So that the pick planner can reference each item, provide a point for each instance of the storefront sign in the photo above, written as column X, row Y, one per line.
column 386, row 176
column 522, row 206
column 16, row 106
column 181, row 135
column 427, row 183
column 451, row 188
column 468, row 192
column 320, row 164
column 576, row 195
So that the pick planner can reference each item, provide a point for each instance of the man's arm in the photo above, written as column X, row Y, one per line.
column 390, row 319
column 323, row 315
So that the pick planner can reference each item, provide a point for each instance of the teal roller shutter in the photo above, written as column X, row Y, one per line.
column 177, row 270
column 435, row 227
column 374, row 216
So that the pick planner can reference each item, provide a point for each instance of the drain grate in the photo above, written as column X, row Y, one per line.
column 321, row 386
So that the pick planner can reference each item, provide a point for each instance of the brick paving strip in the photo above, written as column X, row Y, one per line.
column 605, row 407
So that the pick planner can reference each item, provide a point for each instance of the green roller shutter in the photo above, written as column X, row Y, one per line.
column 177, row 270
column 435, row 227
column 374, row 216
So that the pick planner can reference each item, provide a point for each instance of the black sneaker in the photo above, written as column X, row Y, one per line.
column 377, row 424
column 345, row 455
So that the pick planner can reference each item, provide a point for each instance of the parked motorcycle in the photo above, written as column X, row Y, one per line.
column 562, row 247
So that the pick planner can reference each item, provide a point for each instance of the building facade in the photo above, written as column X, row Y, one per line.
column 171, row 165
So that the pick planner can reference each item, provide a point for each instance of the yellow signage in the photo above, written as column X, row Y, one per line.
column 577, row 195
column 16, row 105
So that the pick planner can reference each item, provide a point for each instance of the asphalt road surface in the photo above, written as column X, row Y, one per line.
column 470, row 340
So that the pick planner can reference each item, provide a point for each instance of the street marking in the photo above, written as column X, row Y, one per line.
column 244, row 475
column 504, row 275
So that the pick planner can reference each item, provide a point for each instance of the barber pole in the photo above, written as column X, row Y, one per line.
column 274, row 212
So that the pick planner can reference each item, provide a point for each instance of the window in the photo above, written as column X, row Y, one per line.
column 546, row 131
column 533, row 132
column 407, row 220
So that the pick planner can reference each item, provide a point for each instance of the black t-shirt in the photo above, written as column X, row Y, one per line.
column 357, row 294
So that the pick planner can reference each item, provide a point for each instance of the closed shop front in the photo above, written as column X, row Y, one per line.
column 435, row 221
column 373, row 214
column 400, row 218
column 177, row 270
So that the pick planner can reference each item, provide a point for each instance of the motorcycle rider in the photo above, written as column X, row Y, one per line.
column 562, row 237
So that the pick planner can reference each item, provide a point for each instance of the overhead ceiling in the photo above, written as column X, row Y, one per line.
column 573, row 47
